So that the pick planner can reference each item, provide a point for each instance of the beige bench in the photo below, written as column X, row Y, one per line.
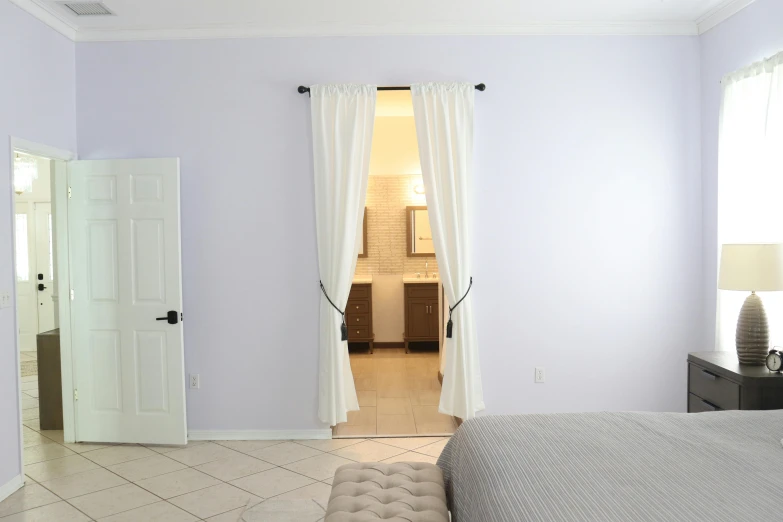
column 401, row 492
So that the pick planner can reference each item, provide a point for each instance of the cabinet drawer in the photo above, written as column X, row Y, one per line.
column 357, row 306
column 357, row 319
column 358, row 332
column 359, row 292
column 421, row 290
column 697, row 404
column 713, row 388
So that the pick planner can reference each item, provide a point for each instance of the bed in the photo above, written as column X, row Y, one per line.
column 623, row 467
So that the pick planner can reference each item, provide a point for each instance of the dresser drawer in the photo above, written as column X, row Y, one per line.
column 359, row 292
column 697, row 404
column 358, row 332
column 421, row 290
column 357, row 306
column 357, row 319
column 712, row 388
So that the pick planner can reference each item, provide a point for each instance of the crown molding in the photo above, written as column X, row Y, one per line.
column 45, row 15
column 721, row 13
column 257, row 31
column 60, row 23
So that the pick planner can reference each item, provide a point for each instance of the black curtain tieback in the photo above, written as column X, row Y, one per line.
column 343, row 327
column 450, row 324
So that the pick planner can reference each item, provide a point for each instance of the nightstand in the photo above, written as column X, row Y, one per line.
column 717, row 381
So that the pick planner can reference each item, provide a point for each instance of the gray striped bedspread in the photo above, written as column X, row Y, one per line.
column 623, row 467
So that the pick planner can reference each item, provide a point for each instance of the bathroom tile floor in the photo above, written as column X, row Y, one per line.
column 398, row 395
column 220, row 481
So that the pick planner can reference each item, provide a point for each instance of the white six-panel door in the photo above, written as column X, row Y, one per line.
column 124, row 241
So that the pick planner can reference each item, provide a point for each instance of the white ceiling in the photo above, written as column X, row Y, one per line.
column 171, row 19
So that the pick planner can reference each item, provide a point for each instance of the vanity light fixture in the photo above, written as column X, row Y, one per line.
column 25, row 171
column 418, row 189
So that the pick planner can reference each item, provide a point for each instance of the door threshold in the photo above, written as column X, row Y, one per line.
column 393, row 436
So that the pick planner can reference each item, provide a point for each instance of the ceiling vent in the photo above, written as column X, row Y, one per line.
column 88, row 8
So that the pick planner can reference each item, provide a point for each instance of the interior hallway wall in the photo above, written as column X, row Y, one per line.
column 751, row 35
column 37, row 103
column 587, row 208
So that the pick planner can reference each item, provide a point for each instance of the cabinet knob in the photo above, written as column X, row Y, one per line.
column 357, row 331
column 357, row 307
column 357, row 319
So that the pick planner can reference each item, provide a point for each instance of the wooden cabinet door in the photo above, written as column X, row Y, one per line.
column 433, row 316
column 419, row 322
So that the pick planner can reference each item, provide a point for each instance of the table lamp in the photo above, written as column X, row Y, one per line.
column 753, row 268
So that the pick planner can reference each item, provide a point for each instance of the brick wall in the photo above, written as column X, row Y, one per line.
column 387, row 249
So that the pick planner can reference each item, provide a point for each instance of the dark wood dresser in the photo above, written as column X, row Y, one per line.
column 50, row 388
column 717, row 381
column 421, row 313
column 358, row 314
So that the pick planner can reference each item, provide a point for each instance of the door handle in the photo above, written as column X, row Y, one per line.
column 41, row 287
column 172, row 317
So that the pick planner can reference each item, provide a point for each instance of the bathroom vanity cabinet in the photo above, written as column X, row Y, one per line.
column 358, row 314
column 421, row 313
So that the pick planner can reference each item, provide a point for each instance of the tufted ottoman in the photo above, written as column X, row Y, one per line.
column 399, row 492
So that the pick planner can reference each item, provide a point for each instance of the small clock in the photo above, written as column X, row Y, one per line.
column 775, row 360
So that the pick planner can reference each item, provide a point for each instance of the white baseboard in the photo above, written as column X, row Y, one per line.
column 10, row 487
column 259, row 434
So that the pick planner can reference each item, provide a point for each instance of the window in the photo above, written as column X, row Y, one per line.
column 22, row 249
column 51, row 251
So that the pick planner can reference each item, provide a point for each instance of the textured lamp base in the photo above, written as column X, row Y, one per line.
column 752, row 332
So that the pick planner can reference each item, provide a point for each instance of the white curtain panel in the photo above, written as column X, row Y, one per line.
column 444, row 130
column 343, row 117
column 750, row 181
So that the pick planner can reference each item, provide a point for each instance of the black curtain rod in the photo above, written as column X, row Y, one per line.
column 302, row 89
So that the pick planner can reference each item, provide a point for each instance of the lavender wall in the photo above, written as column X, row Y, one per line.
column 752, row 34
column 37, row 103
column 587, row 184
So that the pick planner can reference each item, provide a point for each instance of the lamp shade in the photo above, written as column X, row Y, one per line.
column 751, row 267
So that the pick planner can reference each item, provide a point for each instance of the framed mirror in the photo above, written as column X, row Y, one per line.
column 363, row 239
column 419, row 232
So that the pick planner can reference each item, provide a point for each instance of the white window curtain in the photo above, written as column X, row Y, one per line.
column 444, row 130
column 342, row 118
column 750, row 181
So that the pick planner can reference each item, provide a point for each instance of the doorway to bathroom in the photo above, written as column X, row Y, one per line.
column 395, row 309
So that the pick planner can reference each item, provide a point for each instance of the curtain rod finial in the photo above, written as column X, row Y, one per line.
column 481, row 87
column 302, row 89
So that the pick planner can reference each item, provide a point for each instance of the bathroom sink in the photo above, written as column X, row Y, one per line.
column 411, row 278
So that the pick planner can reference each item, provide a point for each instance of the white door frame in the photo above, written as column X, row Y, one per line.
column 59, row 188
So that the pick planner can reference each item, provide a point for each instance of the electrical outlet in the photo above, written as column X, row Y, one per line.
column 5, row 300
column 540, row 374
column 195, row 381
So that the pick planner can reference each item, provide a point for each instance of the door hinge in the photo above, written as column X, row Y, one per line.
column 69, row 192
column 75, row 395
column 71, row 294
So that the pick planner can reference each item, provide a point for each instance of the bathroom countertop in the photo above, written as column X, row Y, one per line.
column 362, row 280
column 411, row 278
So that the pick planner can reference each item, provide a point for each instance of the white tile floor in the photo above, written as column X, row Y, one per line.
column 398, row 395
column 221, row 481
